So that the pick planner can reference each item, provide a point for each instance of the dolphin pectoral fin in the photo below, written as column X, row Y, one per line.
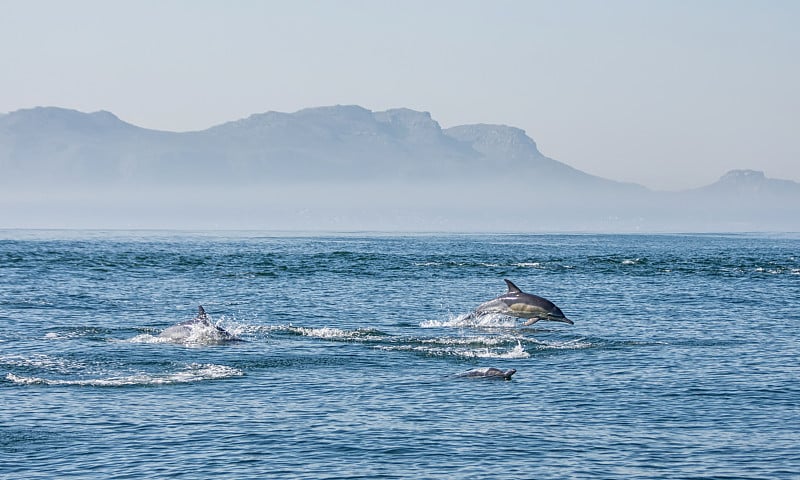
column 531, row 321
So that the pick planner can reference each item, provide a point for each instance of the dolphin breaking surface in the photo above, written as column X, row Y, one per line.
column 516, row 303
column 490, row 372
column 198, row 327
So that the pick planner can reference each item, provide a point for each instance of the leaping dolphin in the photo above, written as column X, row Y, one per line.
column 182, row 331
column 517, row 303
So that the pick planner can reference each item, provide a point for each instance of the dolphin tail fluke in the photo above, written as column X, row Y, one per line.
column 511, row 287
column 201, row 312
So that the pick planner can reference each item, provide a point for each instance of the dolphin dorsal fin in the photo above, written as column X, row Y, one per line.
column 511, row 287
column 201, row 312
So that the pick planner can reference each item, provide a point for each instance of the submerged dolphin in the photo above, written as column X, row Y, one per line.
column 490, row 372
column 183, row 330
column 517, row 303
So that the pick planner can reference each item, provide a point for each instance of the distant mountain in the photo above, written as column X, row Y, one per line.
column 343, row 143
column 341, row 167
column 749, row 184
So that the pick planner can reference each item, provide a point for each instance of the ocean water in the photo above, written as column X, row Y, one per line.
column 683, row 362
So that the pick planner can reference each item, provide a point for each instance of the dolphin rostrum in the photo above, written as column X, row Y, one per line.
column 517, row 303
column 183, row 330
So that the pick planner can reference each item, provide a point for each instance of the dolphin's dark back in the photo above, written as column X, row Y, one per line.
column 514, row 293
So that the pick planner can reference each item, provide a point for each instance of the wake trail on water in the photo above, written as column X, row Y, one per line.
column 463, row 337
column 192, row 373
column 507, row 344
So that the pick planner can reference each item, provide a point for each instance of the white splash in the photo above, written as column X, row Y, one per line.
column 478, row 340
column 323, row 332
column 147, row 338
column 459, row 351
column 191, row 334
column 491, row 320
column 517, row 352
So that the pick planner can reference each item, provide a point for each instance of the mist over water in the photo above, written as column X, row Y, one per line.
column 681, row 362
column 480, row 207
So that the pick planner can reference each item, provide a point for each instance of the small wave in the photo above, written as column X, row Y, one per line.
column 491, row 320
column 70, row 333
column 633, row 261
column 770, row 271
column 42, row 361
column 576, row 344
column 329, row 333
column 56, row 336
column 529, row 265
column 193, row 373
column 427, row 264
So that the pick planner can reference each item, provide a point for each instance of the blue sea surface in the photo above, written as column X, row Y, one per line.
column 683, row 362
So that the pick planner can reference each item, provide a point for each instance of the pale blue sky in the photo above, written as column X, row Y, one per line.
column 670, row 94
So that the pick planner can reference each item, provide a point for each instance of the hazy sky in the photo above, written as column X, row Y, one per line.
column 670, row 94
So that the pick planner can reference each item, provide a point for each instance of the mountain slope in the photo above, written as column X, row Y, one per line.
column 509, row 149
column 342, row 143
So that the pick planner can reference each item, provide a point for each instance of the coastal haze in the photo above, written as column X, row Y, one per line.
column 342, row 167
